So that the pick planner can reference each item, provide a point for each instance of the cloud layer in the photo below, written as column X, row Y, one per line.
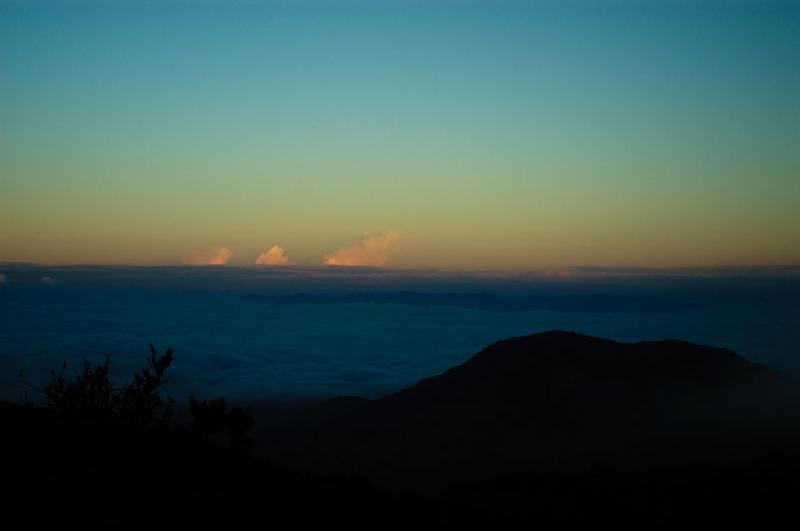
column 275, row 255
column 215, row 256
column 228, row 345
column 371, row 250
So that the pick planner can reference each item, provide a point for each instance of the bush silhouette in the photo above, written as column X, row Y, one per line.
column 211, row 417
column 208, row 416
column 138, row 403
column 239, row 424
column 91, row 394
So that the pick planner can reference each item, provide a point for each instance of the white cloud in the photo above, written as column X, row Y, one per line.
column 275, row 255
column 371, row 250
column 215, row 256
column 3, row 278
column 48, row 281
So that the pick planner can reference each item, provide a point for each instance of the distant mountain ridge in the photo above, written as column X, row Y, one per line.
column 586, row 303
column 520, row 370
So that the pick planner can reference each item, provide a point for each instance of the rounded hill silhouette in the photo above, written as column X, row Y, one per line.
column 561, row 429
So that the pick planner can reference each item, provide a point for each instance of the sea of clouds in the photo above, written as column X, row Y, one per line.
column 281, row 332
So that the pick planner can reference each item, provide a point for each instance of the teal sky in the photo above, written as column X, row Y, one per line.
column 466, row 135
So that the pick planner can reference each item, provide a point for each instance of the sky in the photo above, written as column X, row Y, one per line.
column 460, row 135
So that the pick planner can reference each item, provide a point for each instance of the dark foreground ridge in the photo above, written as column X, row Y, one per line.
column 68, row 475
column 550, row 431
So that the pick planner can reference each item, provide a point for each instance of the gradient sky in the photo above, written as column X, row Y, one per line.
column 495, row 135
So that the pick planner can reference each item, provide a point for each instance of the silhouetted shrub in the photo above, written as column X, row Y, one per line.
column 240, row 422
column 89, row 395
column 211, row 417
column 92, row 395
column 208, row 416
column 139, row 404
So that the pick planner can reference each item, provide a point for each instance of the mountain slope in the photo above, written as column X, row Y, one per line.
column 560, row 428
column 591, row 379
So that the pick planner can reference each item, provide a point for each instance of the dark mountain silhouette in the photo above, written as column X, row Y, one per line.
column 552, row 371
column 564, row 429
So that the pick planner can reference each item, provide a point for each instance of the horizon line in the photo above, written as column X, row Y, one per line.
column 564, row 271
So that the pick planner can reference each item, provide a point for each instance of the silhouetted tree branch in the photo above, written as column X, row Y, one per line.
column 138, row 403
column 91, row 394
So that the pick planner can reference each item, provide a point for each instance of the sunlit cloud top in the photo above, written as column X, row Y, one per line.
column 370, row 250
column 275, row 255
column 215, row 256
